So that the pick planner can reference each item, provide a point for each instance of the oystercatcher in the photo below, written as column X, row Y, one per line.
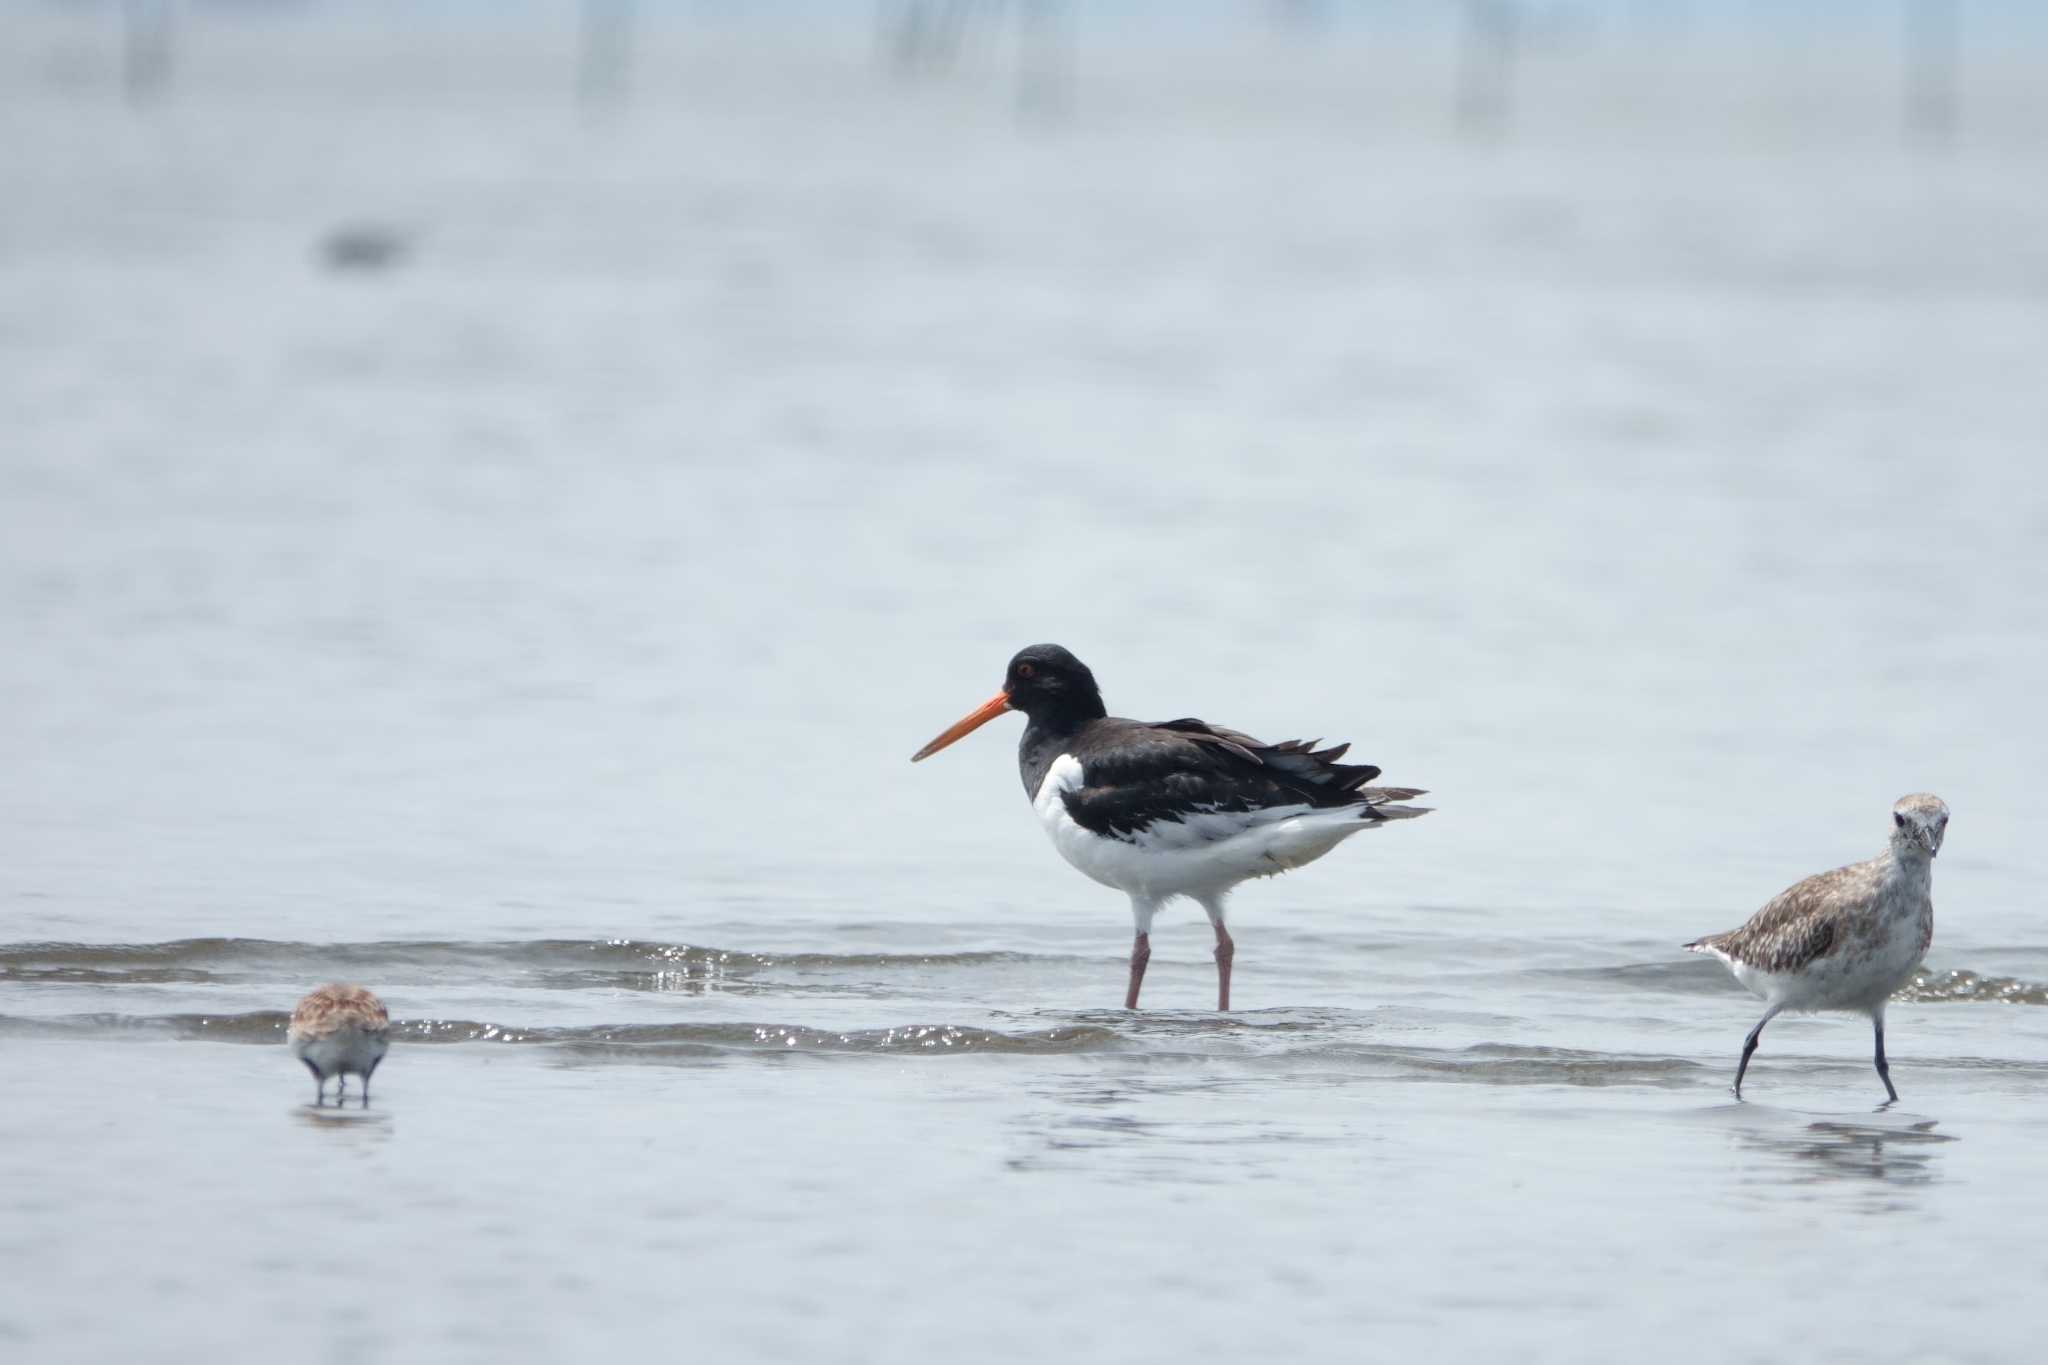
column 338, row 1029
column 1846, row 939
column 1173, row 808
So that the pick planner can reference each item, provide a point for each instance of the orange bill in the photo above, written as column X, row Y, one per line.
column 966, row 725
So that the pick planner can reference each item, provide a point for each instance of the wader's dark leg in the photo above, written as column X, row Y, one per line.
column 1749, row 1046
column 1884, row 1068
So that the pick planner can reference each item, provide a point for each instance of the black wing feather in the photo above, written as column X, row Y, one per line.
column 1136, row 774
column 1299, row 761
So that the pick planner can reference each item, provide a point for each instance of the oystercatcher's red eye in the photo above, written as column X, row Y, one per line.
column 1025, row 670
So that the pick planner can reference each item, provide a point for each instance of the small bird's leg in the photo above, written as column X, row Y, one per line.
column 340, row 1087
column 1749, row 1046
column 319, row 1084
column 1226, row 949
column 1142, row 912
column 1884, row 1068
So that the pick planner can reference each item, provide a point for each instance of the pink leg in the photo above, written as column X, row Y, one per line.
column 1226, row 949
column 1141, row 953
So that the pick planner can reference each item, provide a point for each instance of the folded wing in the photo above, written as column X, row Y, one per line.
column 1139, row 775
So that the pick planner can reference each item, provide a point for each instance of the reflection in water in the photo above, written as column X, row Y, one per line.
column 1894, row 1155
column 1082, row 1119
column 353, row 1125
column 1192, row 1128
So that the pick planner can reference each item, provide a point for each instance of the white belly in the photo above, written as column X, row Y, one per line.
column 1203, row 853
column 1851, row 978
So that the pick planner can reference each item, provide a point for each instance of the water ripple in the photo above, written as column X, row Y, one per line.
column 599, row 960
column 268, row 1026
column 1960, row 984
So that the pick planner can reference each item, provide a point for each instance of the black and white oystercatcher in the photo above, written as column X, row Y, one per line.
column 1177, row 807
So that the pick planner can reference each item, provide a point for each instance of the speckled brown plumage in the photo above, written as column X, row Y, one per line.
column 339, row 1031
column 1798, row 925
column 334, row 1007
column 1846, row 939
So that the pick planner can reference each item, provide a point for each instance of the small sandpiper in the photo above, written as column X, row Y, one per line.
column 1846, row 939
column 338, row 1029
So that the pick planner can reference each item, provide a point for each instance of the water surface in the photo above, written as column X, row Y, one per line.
column 535, row 628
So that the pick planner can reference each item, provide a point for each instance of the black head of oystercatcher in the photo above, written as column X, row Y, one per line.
column 1172, row 808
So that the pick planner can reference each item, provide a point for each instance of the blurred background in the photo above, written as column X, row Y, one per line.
column 455, row 448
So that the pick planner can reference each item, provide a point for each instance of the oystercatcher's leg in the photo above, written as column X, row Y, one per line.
column 1142, row 911
column 1225, row 950
column 1141, row 953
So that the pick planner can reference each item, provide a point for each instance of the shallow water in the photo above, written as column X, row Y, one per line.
column 536, row 630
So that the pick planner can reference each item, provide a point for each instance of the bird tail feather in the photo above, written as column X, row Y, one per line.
column 1380, row 803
